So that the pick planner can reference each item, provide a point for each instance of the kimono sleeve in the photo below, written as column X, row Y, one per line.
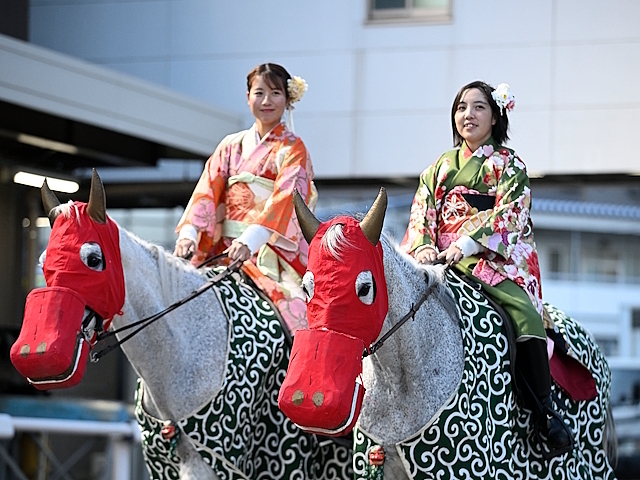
column 509, row 222
column 209, row 192
column 422, row 228
column 278, row 215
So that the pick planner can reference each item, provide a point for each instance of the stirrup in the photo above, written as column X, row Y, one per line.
column 546, row 450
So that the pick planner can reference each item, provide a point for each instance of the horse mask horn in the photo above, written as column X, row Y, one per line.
column 371, row 224
column 97, row 206
column 308, row 222
column 49, row 201
column 322, row 392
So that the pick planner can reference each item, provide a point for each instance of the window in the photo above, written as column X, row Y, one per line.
column 389, row 11
column 635, row 319
column 609, row 346
column 559, row 258
column 600, row 258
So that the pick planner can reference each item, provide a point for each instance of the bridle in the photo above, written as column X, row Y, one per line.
column 145, row 322
column 234, row 266
column 410, row 314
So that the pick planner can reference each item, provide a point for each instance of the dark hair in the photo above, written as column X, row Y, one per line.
column 500, row 131
column 275, row 75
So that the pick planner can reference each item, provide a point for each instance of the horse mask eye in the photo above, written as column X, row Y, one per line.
column 308, row 285
column 91, row 255
column 366, row 287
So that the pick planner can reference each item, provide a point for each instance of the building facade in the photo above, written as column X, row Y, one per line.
column 382, row 75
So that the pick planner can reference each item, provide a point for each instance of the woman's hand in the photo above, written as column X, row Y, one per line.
column 238, row 251
column 427, row 256
column 452, row 255
column 185, row 247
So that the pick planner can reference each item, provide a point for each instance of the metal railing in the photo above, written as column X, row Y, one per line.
column 121, row 437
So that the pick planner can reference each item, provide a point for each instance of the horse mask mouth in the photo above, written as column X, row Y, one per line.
column 52, row 354
column 346, row 306
column 53, row 346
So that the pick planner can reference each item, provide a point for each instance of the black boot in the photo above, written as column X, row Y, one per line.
column 533, row 365
column 551, row 425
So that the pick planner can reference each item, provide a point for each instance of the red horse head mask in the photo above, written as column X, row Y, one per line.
column 346, row 306
column 83, row 272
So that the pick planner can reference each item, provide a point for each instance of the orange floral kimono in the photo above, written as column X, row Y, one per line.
column 252, row 182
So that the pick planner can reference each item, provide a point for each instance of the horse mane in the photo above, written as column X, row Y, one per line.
column 172, row 271
column 434, row 274
column 334, row 241
column 65, row 209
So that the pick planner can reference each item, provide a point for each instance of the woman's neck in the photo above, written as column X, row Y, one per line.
column 473, row 146
column 263, row 129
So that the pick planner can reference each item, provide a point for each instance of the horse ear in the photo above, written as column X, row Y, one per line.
column 97, row 206
column 371, row 224
column 49, row 201
column 307, row 220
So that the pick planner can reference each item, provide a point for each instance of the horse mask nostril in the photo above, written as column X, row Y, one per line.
column 297, row 398
column 318, row 399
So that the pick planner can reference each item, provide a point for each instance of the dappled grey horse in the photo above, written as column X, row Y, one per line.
column 439, row 392
column 209, row 370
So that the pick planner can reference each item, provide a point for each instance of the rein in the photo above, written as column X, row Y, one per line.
column 145, row 322
column 410, row 315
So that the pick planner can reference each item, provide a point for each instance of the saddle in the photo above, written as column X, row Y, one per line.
column 567, row 372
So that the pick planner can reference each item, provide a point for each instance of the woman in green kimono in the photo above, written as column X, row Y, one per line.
column 472, row 210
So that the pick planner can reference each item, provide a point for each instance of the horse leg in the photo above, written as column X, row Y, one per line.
column 192, row 466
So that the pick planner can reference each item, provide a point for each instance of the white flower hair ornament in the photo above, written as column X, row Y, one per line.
column 504, row 98
column 296, row 87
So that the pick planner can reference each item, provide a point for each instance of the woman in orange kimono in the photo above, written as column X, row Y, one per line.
column 243, row 202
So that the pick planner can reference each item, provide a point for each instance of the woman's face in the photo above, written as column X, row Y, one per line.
column 267, row 103
column 474, row 118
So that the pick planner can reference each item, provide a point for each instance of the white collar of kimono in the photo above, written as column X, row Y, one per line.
column 256, row 134
column 251, row 141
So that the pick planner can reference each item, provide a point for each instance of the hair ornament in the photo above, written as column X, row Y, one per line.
column 504, row 98
column 296, row 86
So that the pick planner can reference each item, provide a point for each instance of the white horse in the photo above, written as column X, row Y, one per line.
column 439, row 396
column 215, row 385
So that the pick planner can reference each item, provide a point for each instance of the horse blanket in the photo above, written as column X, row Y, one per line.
column 482, row 431
column 241, row 432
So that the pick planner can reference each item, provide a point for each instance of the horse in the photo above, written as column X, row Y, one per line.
column 440, row 397
column 209, row 371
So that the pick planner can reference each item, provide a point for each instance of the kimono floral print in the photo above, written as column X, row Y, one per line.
column 505, row 232
column 471, row 209
column 255, row 181
column 243, row 202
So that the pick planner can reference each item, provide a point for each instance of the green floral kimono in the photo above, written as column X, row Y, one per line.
column 445, row 207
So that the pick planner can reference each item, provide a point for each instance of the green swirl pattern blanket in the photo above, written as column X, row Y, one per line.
column 241, row 432
column 482, row 432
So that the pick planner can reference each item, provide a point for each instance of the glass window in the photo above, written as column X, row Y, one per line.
column 386, row 4
column 390, row 11
column 600, row 258
column 609, row 346
column 554, row 261
column 554, row 253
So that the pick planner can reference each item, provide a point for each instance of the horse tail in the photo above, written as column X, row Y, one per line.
column 610, row 440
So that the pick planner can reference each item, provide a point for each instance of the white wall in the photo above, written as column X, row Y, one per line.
column 379, row 96
column 603, row 309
